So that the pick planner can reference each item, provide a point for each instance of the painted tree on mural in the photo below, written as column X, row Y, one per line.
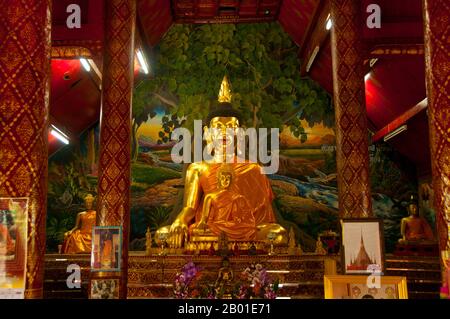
column 261, row 62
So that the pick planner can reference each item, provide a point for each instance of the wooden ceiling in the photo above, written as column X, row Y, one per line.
column 219, row 11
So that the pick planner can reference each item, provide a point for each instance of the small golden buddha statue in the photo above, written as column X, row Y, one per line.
column 225, row 278
column 414, row 228
column 224, row 194
column 320, row 250
column 79, row 239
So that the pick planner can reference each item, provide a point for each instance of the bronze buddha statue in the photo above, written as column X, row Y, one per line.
column 224, row 195
column 414, row 228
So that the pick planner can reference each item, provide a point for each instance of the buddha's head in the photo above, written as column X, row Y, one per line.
column 413, row 209
column 89, row 201
column 225, row 262
column 222, row 120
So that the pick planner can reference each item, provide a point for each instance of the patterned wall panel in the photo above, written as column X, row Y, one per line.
column 24, row 102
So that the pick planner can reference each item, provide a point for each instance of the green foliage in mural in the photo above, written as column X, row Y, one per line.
column 261, row 62
column 390, row 174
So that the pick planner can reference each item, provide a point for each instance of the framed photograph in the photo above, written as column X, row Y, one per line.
column 106, row 248
column 362, row 287
column 13, row 247
column 362, row 246
column 105, row 288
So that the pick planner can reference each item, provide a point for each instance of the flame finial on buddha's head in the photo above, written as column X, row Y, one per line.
column 225, row 91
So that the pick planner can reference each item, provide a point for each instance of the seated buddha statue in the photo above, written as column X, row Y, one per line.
column 224, row 279
column 224, row 195
column 79, row 239
column 414, row 228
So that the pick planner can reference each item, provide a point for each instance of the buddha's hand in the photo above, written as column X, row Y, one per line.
column 177, row 233
column 67, row 233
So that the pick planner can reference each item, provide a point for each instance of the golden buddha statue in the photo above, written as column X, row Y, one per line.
column 224, row 194
column 414, row 228
column 79, row 239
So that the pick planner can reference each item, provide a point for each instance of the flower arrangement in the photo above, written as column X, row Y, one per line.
column 187, row 283
column 257, row 284
column 186, row 279
column 254, row 283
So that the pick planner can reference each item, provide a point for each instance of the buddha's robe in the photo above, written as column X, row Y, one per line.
column 80, row 240
column 7, row 246
column 239, row 209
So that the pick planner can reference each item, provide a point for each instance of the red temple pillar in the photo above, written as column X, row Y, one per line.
column 437, row 62
column 25, row 49
column 352, row 154
column 115, row 125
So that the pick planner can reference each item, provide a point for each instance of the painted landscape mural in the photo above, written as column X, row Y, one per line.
column 263, row 67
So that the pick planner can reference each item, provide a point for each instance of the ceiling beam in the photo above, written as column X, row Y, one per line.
column 315, row 36
column 400, row 120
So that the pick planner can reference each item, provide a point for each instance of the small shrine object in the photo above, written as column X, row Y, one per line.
column 252, row 250
column 292, row 242
column 148, row 242
column 236, row 249
column 331, row 241
column 319, row 248
column 211, row 250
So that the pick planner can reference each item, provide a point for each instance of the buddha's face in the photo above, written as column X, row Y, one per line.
column 225, row 180
column 413, row 210
column 219, row 126
column 89, row 202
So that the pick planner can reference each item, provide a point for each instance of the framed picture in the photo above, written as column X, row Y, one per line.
column 13, row 247
column 362, row 246
column 105, row 288
column 106, row 248
column 362, row 287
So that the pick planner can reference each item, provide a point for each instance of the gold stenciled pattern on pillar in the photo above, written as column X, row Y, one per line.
column 115, row 144
column 25, row 48
column 437, row 58
column 352, row 154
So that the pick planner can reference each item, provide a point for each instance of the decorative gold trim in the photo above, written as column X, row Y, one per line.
column 330, row 283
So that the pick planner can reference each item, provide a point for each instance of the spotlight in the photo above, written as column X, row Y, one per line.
column 85, row 64
column 328, row 23
column 59, row 135
column 395, row 132
column 142, row 61
column 312, row 58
